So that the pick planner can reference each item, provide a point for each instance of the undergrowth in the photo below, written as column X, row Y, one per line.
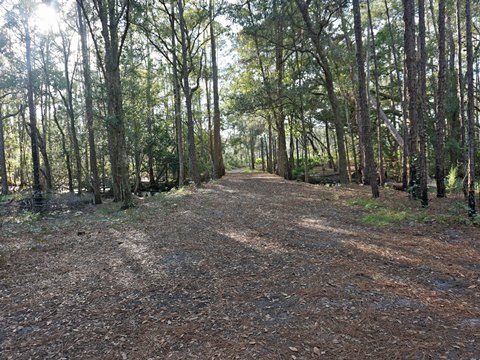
column 108, row 213
column 379, row 215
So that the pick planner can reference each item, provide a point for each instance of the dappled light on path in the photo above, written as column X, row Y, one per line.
column 249, row 266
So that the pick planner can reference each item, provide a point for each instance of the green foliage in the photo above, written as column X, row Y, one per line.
column 457, row 213
column 112, row 121
column 27, row 216
column 128, row 205
column 317, row 160
column 233, row 163
column 367, row 203
column 10, row 197
column 475, row 219
column 385, row 217
column 454, row 184
column 298, row 172
column 378, row 214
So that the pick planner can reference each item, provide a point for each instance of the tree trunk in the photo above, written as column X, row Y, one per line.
column 3, row 160
column 365, row 128
column 262, row 152
column 3, row 163
column 461, row 86
column 270, row 165
column 452, row 110
column 218, row 167
column 291, row 156
column 252, row 150
column 68, row 102
column 178, row 104
column 111, row 19
column 411, row 86
column 422, row 98
column 332, row 97
column 470, row 112
column 22, row 128
column 440, row 131
column 406, row 146
column 150, row 121
column 354, row 78
column 302, row 120
column 137, row 158
column 328, row 148
column 209, row 118
column 352, row 140
column 188, row 99
column 47, row 172
column 64, row 146
column 37, row 202
column 381, row 166
column 283, row 166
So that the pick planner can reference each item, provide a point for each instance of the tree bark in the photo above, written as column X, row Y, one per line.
column 37, row 202
column 406, row 149
column 188, row 99
column 178, row 104
column 422, row 136
column 111, row 19
column 283, row 166
column 452, row 110
column 461, row 86
column 270, row 164
column 209, row 118
column 150, row 121
column 68, row 102
column 411, row 90
column 66, row 153
column 441, row 86
column 3, row 160
column 3, row 163
column 365, row 128
column 218, row 167
column 381, row 166
column 470, row 111
column 252, row 150
column 302, row 120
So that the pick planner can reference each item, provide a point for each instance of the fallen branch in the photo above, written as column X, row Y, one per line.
column 398, row 138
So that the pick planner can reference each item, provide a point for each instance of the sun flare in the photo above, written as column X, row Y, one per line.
column 45, row 18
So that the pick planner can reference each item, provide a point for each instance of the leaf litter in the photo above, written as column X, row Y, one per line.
column 248, row 267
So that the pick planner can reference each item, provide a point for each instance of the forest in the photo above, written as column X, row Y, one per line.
column 239, row 179
column 114, row 97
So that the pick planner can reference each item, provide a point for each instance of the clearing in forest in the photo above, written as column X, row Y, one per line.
column 250, row 266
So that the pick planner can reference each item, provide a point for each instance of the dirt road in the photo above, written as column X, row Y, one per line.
column 248, row 267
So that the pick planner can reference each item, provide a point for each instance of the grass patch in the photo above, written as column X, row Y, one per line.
column 385, row 217
column 378, row 215
column 367, row 203
column 26, row 217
